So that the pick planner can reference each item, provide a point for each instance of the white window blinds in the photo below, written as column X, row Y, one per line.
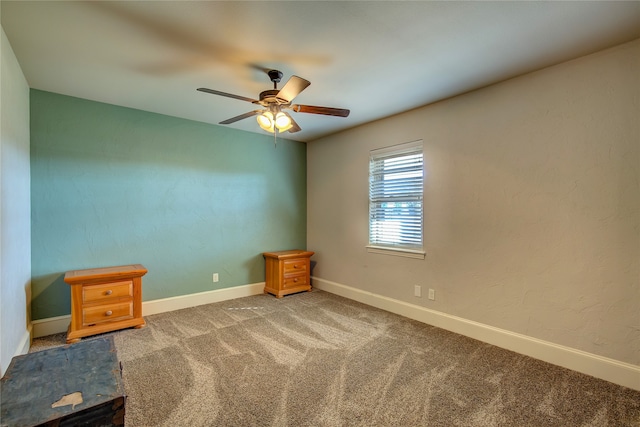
column 396, row 177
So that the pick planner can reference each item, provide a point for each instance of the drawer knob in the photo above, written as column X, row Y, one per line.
column 295, row 280
column 109, row 292
column 108, row 313
column 295, row 266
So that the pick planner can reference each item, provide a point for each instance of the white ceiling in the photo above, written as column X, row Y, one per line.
column 374, row 58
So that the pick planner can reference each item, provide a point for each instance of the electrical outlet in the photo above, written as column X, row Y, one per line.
column 215, row 278
column 417, row 290
column 432, row 294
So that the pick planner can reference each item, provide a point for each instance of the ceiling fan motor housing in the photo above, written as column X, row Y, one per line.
column 269, row 97
column 275, row 75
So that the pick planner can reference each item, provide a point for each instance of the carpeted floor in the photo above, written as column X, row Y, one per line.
column 316, row 359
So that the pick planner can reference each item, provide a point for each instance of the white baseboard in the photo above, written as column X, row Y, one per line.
column 22, row 348
column 55, row 325
column 50, row 326
column 25, row 342
column 611, row 370
column 192, row 300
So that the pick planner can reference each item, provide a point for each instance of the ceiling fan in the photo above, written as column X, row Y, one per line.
column 272, row 118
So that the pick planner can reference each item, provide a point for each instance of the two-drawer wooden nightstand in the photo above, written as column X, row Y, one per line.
column 287, row 272
column 104, row 300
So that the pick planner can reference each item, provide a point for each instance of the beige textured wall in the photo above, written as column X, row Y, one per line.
column 15, row 207
column 532, row 217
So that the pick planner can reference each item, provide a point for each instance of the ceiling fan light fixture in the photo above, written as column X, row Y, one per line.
column 283, row 122
column 265, row 120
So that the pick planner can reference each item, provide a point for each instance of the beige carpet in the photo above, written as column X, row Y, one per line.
column 316, row 359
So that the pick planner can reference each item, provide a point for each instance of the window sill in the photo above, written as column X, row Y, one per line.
column 407, row 253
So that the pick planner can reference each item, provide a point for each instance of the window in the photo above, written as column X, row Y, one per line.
column 396, row 176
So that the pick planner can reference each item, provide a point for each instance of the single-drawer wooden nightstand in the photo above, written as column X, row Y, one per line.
column 287, row 272
column 104, row 300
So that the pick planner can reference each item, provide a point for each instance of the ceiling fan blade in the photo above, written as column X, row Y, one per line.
column 292, row 88
column 228, row 95
column 241, row 116
column 327, row 111
column 294, row 126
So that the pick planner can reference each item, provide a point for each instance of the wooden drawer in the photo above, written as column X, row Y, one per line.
column 294, row 281
column 107, row 291
column 107, row 313
column 295, row 266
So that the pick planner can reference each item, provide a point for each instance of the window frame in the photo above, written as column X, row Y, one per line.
column 398, row 248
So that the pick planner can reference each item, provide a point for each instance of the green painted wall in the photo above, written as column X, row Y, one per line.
column 114, row 186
